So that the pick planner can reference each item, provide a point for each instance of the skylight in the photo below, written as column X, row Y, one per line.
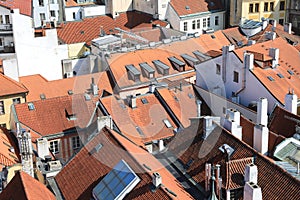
column 167, row 123
column 280, row 75
column 144, row 101
column 290, row 72
column 270, row 78
column 117, row 183
column 30, row 106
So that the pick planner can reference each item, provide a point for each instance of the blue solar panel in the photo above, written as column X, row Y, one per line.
column 117, row 183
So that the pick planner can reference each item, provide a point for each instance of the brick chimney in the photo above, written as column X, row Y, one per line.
column 291, row 102
column 262, row 111
column 261, row 138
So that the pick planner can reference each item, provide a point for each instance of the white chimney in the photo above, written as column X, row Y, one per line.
column 261, row 138
column 251, row 173
column 198, row 102
column 156, row 179
column 274, row 53
column 232, row 122
column 274, row 23
column 42, row 147
column 252, row 191
column 207, row 126
column 262, row 111
column 94, row 88
column 288, row 28
column 270, row 35
column 132, row 101
column 161, row 145
column 248, row 61
column 264, row 23
column 104, row 121
column 291, row 102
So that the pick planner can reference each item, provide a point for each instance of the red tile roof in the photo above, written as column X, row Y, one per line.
column 10, row 86
column 7, row 156
column 235, row 36
column 24, row 187
column 177, row 100
column 37, row 85
column 274, row 181
column 49, row 116
column 82, row 173
column 148, row 117
column 25, row 6
column 280, row 86
column 187, row 7
column 89, row 28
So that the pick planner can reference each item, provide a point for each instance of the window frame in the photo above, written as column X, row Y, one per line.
column 218, row 69
column 271, row 6
column 16, row 100
column 281, row 5
column 256, row 7
column 204, row 22
column 54, row 146
column 194, row 24
column 266, row 6
column 76, row 144
column 2, row 108
column 251, row 8
column 235, row 76
column 185, row 25
column 216, row 20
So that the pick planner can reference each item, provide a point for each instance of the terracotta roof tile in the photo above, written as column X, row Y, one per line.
column 78, row 178
column 280, row 86
column 148, row 117
column 10, row 86
column 235, row 36
column 187, row 7
column 25, row 6
column 89, row 28
column 37, row 85
column 49, row 116
column 24, row 187
column 8, row 157
column 273, row 180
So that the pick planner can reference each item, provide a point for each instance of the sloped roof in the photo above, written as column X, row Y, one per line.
column 88, row 167
column 148, row 117
column 187, row 7
column 24, row 187
column 274, row 181
column 181, row 102
column 235, row 36
column 280, row 86
column 50, row 115
column 25, row 6
column 89, row 28
column 10, row 86
column 37, row 85
column 7, row 156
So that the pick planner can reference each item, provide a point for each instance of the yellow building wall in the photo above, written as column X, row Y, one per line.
column 12, row 171
column 8, row 101
column 77, row 50
column 276, row 14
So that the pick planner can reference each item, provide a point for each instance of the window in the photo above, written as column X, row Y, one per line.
column 235, row 77
column 80, row 15
column 52, row 13
column 266, row 5
column 251, row 8
column 257, row 7
column 54, row 146
column 185, row 26
column 42, row 16
column 3, row 125
column 41, row 2
column 1, row 42
column 282, row 4
column 52, row 1
column 75, row 142
column 204, row 23
column 281, row 21
column 74, row 15
column 7, row 20
column 1, row 19
column 218, row 69
column 208, row 22
column 198, row 23
column 194, row 25
column 2, row 111
column 271, row 6
column 16, row 101
column 216, row 20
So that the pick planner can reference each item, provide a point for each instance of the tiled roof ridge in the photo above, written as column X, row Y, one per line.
column 20, row 85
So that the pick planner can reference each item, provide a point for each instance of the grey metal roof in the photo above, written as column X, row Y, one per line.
column 250, row 24
column 133, row 70
column 160, row 64
column 176, row 61
column 190, row 58
column 147, row 67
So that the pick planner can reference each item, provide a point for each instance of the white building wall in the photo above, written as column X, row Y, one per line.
column 147, row 6
column 87, row 11
column 118, row 6
column 6, row 35
column 45, row 8
column 37, row 55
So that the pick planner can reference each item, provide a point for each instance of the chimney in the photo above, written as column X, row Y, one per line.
column 225, row 59
column 251, row 173
column 42, row 147
column 198, row 102
column 132, row 101
column 274, row 53
column 207, row 176
column 288, row 28
column 248, row 61
column 264, row 23
column 261, row 138
column 291, row 102
column 218, row 180
column 270, row 35
column 232, row 122
column 252, row 191
column 207, row 126
column 156, row 179
column 94, row 87
column 262, row 111
column 161, row 145
column 104, row 121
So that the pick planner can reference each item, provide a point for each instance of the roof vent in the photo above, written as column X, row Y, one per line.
column 70, row 92
column 187, row 8
column 30, row 106
column 42, row 96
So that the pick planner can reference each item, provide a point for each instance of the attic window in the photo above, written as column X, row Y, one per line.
column 213, row 36
column 167, row 123
column 187, row 7
column 30, row 106
column 290, row 72
column 144, row 101
column 270, row 78
column 87, row 97
column 280, row 75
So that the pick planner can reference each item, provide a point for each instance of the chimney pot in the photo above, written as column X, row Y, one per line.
column 156, row 179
